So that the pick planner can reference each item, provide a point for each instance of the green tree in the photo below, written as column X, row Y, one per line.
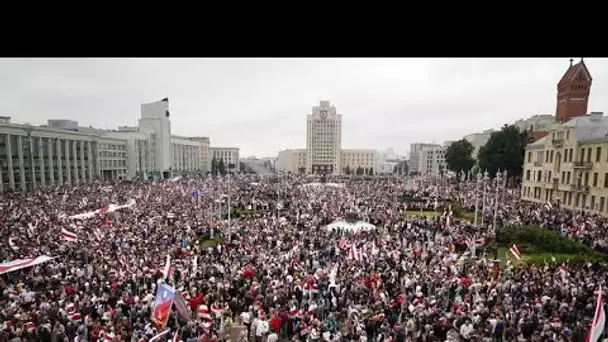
column 347, row 170
column 221, row 167
column 359, row 171
column 505, row 151
column 401, row 168
column 213, row 166
column 370, row 171
column 459, row 156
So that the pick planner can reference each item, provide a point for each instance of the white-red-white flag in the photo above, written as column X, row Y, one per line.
column 355, row 253
column 68, row 236
column 599, row 319
column 515, row 251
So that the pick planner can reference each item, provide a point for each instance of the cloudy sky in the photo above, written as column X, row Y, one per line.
column 260, row 105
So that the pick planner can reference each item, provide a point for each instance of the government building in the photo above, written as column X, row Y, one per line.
column 62, row 153
column 569, row 166
column 323, row 153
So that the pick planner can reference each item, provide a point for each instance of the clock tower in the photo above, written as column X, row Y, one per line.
column 573, row 92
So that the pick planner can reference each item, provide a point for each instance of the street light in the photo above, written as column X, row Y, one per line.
column 498, row 181
column 486, row 177
column 477, row 185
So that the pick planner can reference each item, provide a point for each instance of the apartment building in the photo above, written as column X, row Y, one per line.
column 570, row 165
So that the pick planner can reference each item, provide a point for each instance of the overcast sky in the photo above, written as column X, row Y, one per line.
column 260, row 105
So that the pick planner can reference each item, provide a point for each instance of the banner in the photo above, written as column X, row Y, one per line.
column 23, row 263
column 162, row 305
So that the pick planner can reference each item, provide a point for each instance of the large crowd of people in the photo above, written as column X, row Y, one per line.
column 270, row 271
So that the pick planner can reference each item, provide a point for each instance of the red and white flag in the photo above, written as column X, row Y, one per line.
column 515, row 251
column 355, row 253
column 68, row 236
column 599, row 319
column 23, row 263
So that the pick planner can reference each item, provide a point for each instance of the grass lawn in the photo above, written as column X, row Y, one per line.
column 209, row 243
column 539, row 258
column 432, row 214
column 469, row 216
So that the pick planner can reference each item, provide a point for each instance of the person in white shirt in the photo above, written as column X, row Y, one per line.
column 273, row 337
column 246, row 321
column 466, row 330
column 261, row 328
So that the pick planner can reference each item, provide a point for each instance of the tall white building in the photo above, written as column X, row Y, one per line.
column 323, row 152
column 323, row 139
column 415, row 155
column 155, row 121
column 432, row 158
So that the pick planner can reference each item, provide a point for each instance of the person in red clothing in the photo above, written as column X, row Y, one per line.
column 275, row 323
column 196, row 301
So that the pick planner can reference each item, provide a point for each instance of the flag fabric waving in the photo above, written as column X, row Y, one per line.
column 599, row 319
column 23, row 263
column 68, row 236
column 515, row 251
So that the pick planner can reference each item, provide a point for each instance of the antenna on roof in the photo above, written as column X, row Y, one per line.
column 582, row 59
column 571, row 60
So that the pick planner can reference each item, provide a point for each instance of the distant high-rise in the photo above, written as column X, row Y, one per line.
column 573, row 92
column 323, row 140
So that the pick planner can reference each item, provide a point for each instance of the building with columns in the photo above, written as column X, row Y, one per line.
column 32, row 156
column 62, row 153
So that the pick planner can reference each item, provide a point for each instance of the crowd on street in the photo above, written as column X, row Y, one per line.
column 253, row 261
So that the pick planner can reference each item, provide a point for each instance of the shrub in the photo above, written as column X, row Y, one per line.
column 533, row 239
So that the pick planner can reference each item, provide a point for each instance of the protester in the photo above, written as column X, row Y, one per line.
column 277, row 273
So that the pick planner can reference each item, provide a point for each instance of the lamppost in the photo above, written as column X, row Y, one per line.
column 477, row 185
column 498, row 181
column 486, row 177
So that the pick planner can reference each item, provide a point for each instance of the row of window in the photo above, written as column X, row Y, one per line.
column 574, row 200
column 585, row 155
column 566, row 177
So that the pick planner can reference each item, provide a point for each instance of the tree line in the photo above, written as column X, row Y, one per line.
column 504, row 151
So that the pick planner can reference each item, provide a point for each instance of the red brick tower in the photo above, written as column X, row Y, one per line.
column 573, row 92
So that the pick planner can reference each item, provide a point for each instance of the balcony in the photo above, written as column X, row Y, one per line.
column 537, row 163
column 582, row 165
column 557, row 142
column 579, row 188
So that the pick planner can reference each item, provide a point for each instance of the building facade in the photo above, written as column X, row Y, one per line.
column 228, row 155
column 32, row 157
column 432, row 159
column 293, row 161
column 415, row 155
column 323, row 140
column 364, row 160
column 62, row 153
column 323, row 153
column 569, row 166
column 573, row 91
